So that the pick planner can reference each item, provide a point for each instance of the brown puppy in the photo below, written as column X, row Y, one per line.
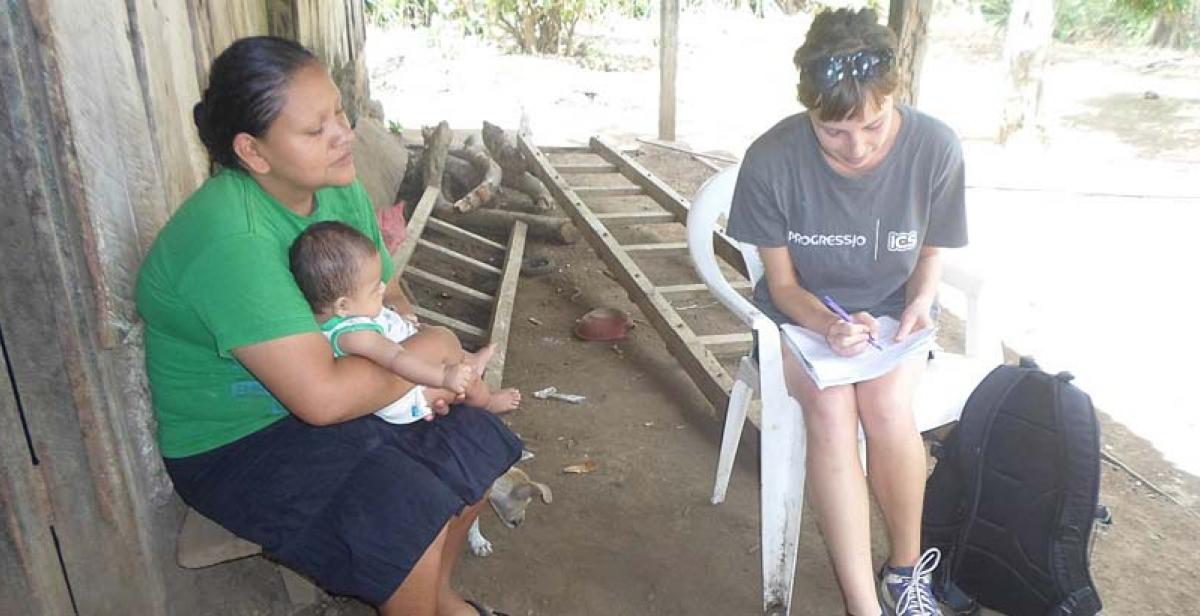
column 509, row 496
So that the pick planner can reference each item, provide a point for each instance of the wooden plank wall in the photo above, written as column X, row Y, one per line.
column 100, row 148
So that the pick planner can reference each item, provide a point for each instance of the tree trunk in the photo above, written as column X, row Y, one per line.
column 909, row 19
column 1168, row 30
column 1030, row 27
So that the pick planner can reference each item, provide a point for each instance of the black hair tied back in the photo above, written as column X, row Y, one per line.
column 200, row 117
column 246, row 92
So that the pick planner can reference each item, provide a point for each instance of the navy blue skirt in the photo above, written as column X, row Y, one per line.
column 352, row 505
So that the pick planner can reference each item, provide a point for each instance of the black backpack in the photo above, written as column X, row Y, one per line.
column 1014, row 495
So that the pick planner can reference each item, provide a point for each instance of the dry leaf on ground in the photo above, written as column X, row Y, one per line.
column 581, row 468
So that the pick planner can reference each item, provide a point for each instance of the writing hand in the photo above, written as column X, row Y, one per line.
column 849, row 338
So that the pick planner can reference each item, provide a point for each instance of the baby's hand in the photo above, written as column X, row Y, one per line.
column 457, row 376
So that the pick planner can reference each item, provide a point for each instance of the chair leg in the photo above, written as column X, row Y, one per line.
column 735, row 420
column 783, row 471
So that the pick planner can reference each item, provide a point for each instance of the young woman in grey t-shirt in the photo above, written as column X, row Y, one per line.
column 854, row 199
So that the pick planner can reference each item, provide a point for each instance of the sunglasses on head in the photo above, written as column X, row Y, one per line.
column 862, row 65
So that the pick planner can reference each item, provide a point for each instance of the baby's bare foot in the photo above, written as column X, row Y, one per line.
column 504, row 400
column 479, row 359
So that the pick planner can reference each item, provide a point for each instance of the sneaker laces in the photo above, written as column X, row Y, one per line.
column 917, row 594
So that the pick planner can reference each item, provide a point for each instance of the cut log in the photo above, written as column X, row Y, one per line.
column 529, row 184
column 433, row 161
column 460, row 178
column 494, row 222
column 474, row 152
column 431, row 169
column 516, row 201
column 516, row 171
column 503, row 149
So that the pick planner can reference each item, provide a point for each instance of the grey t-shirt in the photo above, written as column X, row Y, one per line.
column 854, row 239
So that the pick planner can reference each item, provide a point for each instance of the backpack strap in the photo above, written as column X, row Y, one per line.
column 970, row 434
column 979, row 411
column 1082, row 601
column 1079, row 430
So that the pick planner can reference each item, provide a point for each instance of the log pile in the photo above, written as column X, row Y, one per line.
column 485, row 185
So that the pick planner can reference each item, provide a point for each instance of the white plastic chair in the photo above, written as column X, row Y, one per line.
column 948, row 381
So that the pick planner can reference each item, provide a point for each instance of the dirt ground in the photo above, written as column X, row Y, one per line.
column 638, row 535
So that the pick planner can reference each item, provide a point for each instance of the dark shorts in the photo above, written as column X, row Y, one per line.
column 353, row 505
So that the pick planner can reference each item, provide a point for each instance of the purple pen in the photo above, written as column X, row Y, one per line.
column 832, row 305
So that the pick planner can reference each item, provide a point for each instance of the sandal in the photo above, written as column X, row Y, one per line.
column 483, row 609
column 537, row 265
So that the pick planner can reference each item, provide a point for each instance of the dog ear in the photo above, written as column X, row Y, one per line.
column 547, row 496
column 524, row 491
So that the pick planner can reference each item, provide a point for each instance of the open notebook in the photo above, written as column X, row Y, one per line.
column 828, row 368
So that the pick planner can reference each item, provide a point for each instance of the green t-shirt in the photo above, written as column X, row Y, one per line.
column 216, row 279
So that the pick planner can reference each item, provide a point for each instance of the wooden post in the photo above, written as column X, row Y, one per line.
column 1030, row 27
column 668, row 52
column 909, row 19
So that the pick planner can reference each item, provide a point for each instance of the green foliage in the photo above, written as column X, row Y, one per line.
column 396, row 12
column 1153, row 8
column 1076, row 20
column 637, row 9
column 541, row 26
column 532, row 26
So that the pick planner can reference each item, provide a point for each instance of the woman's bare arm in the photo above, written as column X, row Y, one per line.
column 920, row 292
column 806, row 309
column 301, row 371
column 789, row 297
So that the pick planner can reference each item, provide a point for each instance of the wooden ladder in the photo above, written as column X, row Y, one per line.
column 496, row 330
column 694, row 352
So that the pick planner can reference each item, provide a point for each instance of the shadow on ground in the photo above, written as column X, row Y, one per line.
column 1162, row 127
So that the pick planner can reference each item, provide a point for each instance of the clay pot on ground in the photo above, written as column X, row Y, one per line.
column 603, row 325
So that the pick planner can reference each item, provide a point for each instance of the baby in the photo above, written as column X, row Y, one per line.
column 338, row 270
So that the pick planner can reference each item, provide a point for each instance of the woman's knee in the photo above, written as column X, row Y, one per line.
column 886, row 413
column 831, row 421
column 886, row 404
column 897, row 422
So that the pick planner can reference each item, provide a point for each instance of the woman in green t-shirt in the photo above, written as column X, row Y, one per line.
column 261, row 428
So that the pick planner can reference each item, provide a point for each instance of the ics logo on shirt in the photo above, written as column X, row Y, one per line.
column 901, row 242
